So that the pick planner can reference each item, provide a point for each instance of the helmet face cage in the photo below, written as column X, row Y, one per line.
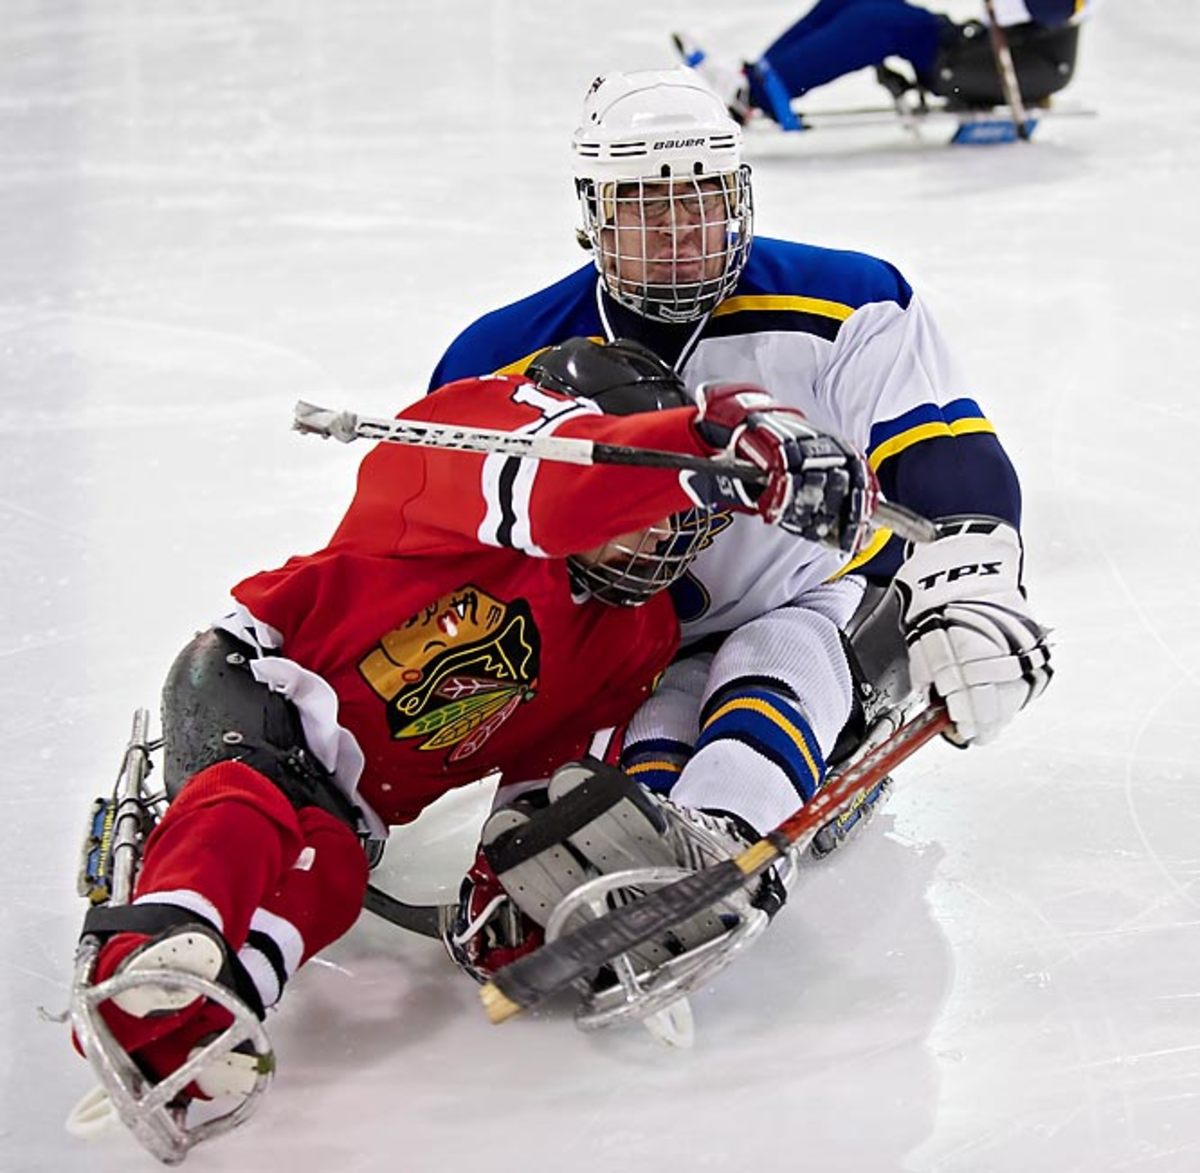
column 626, row 574
column 670, row 249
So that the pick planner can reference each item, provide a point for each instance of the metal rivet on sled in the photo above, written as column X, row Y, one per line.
column 235, row 658
column 231, row 737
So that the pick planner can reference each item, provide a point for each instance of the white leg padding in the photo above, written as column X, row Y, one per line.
column 186, row 952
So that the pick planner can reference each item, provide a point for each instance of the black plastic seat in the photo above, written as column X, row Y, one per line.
column 965, row 72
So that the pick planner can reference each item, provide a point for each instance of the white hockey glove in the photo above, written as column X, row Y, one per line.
column 816, row 486
column 970, row 635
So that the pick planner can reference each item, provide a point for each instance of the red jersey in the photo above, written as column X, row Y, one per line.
column 441, row 612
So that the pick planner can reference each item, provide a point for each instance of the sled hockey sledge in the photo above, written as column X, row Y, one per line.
column 613, row 989
column 993, row 86
column 572, row 959
column 157, row 1113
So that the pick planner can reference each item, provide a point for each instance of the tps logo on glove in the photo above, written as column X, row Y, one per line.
column 929, row 581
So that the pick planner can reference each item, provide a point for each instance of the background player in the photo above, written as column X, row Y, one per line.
column 837, row 37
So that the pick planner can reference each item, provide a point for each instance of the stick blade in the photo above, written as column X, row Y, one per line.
column 579, row 954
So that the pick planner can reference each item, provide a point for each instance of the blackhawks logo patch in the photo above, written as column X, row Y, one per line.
column 456, row 671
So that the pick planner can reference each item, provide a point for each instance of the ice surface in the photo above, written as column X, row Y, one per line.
column 209, row 210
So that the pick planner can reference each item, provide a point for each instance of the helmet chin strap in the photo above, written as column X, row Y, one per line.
column 700, row 295
column 612, row 334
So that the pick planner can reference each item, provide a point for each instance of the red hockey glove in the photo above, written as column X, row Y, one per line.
column 816, row 486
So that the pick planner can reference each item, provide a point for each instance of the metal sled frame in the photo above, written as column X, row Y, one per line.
column 970, row 127
column 656, row 995
column 155, row 1113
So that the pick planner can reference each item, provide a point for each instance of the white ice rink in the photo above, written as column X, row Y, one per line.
column 211, row 208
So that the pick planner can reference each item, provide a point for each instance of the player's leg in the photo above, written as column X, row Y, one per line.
column 247, row 797
column 859, row 36
column 817, row 17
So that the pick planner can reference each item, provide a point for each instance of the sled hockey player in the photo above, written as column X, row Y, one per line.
column 947, row 58
column 470, row 614
column 738, row 723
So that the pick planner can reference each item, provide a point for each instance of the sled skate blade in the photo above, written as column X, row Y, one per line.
column 983, row 131
column 673, row 1026
column 92, row 1115
column 653, row 994
column 157, row 1113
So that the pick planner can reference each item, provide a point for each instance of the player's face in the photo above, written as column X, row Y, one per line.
column 625, row 549
column 670, row 234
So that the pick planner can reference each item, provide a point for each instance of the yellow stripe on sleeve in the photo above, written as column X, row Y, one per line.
column 785, row 303
column 879, row 539
column 928, row 431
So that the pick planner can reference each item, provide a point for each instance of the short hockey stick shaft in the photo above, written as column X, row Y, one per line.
column 347, row 426
column 1007, row 71
column 426, row 919
column 581, row 953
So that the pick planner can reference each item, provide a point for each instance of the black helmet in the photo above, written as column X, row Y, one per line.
column 621, row 377
column 625, row 378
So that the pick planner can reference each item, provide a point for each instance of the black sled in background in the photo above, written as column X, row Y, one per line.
column 970, row 88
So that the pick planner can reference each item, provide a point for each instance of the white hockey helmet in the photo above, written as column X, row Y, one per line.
column 663, row 192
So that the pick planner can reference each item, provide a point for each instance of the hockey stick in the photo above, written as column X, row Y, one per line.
column 1008, row 72
column 347, row 426
column 427, row 919
column 579, row 954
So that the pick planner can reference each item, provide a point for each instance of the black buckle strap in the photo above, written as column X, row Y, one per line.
column 157, row 920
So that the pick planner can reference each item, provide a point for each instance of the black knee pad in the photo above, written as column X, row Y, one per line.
column 878, row 653
column 878, row 659
column 213, row 710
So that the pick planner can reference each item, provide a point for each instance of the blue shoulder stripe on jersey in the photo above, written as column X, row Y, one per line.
column 833, row 276
column 925, row 422
column 771, row 726
column 506, row 339
column 786, row 286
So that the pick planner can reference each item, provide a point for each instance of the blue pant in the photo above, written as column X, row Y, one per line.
column 839, row 36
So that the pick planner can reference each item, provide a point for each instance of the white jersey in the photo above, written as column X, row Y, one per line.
column 746, row 718
column 884, row 362
column 839, row 335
